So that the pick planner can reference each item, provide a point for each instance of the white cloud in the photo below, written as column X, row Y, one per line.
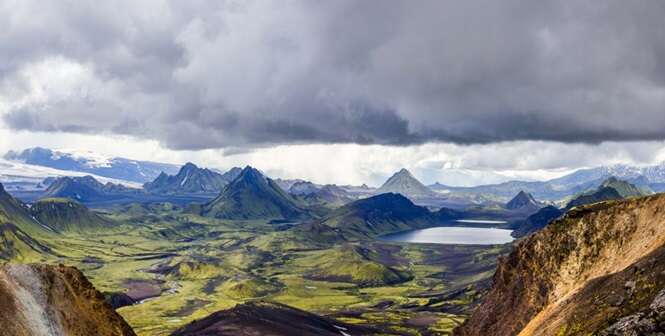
column 371, row 164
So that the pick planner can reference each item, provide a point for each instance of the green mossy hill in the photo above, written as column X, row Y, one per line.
column 353, row 264
column 64, row 215
column 253, row 196
column 14, row 212
column 17, row 245
column 378, row 215
column 243, row 288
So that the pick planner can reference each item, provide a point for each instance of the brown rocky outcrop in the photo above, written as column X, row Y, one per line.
column 46, row 300
column 580, row 275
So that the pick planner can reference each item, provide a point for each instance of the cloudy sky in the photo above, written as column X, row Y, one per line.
column 340, row 91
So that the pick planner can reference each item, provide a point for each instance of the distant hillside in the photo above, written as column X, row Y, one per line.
column 253, row 196
column 85, row 189
column 598, row 270
column 327, row 195
column 273, row 319
column 576, row 182
column 537, row 221
column 301, row 188
column 54, row 300
column 610, row 189
column 192, row 179
column 404, row 183
column 64, row 214
column 93, row 163
column 378, row 215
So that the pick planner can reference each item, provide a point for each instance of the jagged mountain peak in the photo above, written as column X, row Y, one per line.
column 190, row 179
column 250, row 172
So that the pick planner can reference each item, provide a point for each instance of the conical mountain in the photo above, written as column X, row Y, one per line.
column 191, row 179
column 253, row 196
column 523, row 201
column 403, row 182
column 64, row 214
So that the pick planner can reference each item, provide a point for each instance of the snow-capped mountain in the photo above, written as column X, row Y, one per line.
column 93, row 163
column 26, row 177
column 646, row 174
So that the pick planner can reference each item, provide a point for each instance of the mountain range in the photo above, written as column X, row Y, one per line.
column 192, row 179
column 579, row 181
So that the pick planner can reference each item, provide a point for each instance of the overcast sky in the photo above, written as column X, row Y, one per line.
column 340, row 90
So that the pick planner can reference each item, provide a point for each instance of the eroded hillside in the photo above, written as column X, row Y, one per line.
column 580, row 274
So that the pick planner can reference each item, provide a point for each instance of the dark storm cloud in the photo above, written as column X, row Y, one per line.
column 256, row 73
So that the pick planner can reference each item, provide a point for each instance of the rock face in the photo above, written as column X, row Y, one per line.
column 41, row 300
column 404, row 183
column 580, row 275
column 268, row 319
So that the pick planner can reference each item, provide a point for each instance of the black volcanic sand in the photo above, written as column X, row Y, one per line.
column 269, row 319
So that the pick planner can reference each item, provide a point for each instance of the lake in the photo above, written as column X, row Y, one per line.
column 452, row 235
